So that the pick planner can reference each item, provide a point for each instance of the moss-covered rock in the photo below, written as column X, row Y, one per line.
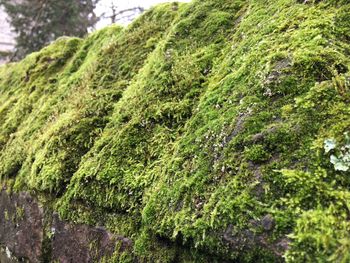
column 198, row 131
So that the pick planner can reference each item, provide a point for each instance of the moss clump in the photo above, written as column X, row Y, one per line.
column 197, row 131
column 256, row 153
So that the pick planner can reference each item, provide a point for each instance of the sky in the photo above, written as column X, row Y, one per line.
column 104, row 7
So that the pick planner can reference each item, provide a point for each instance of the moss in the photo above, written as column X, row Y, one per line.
column 197, row 131
column 256, row 153
column 6, row 214
column 20, row 213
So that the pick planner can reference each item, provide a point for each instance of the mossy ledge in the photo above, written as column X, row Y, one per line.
column 198, row 132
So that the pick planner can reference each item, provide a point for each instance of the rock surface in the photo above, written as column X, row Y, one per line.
column 29, row 234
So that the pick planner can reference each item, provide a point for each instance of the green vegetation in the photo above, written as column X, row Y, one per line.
column 203, row 131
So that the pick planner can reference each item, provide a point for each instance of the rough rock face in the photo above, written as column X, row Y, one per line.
column 29, row 234
column 213, row 131
column 21, row 225
column 82, row 243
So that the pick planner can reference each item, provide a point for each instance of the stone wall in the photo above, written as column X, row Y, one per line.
column 31, row 232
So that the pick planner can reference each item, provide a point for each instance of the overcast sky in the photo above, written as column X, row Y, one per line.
column 104, row 6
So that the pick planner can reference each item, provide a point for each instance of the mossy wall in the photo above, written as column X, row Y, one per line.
column 198, row 131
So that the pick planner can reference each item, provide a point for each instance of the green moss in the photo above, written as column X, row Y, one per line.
column 6, row 214
column 20, row 213
column 197, row 131
column 256, row 153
